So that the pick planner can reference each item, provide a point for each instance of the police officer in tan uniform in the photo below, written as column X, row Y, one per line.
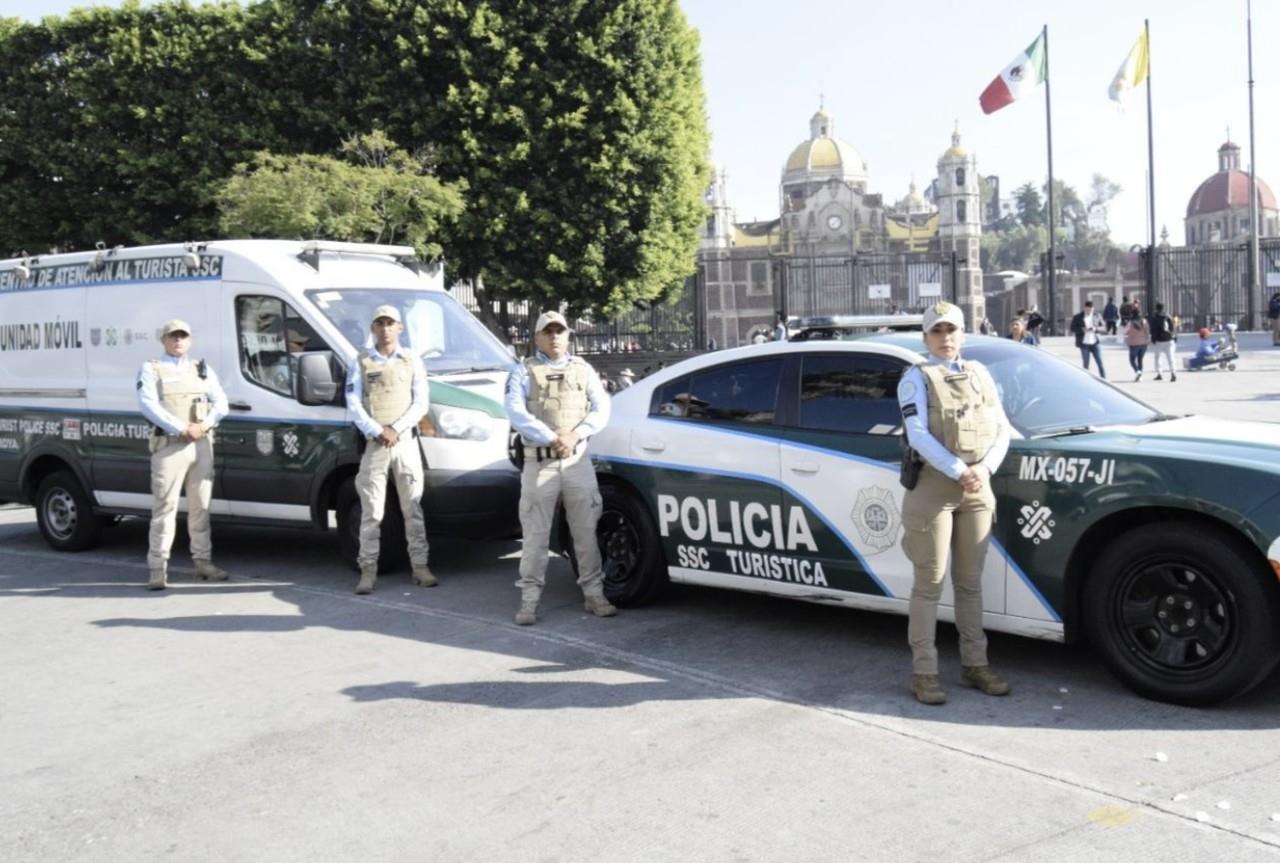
column 386, row 397
column 954, row 420
column 184, row 401
column 556, row 401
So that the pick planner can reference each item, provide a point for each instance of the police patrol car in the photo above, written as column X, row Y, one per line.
column 278, row 321
column 773, row 469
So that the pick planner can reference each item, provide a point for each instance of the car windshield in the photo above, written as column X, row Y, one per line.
column 1043, row 394
column 436, row 326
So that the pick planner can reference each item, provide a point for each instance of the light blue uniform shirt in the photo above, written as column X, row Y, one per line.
column 534, row 431
column 153, row 410
column 421, row 400
column 913, row 391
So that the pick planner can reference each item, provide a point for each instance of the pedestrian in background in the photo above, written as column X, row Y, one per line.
column 1137, row 336
column 626, row 378
column 953, row 418
column 1164, row 342
column 780, row 328
column 1110, row 315
column 1273, row 314
column 184, row 402
column 1085, row 325
column 386, row 398
column 555, row 402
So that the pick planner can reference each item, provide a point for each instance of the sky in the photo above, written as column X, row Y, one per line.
column 897, row 78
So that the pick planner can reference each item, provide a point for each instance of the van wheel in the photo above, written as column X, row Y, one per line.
column 65, row 513
column 392, row 552
column 635, row 569
column 1182, row 614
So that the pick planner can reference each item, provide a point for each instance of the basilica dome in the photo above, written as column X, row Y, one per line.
column 1218, row 210
column 1228, row 188
column 824, row 156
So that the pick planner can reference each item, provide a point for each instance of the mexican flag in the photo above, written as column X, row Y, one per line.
column 1018, row 79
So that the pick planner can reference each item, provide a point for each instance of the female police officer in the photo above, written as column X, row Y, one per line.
column 953, row 419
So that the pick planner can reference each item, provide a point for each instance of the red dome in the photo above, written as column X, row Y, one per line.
column 1212, row 196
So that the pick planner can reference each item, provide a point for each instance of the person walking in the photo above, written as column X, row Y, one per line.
column 555, row 402
column 954, row 420
column 1273, row 315
column 387, row 395
column 626, row 378
column 1086, row 325
column 1128, row 311
column 183, row 400
column 1110, row 315
column 1137, row 336
column 1164, row 342
column 780, row 327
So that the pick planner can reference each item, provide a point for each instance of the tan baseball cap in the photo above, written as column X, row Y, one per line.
column 943, row 313
column 546, row 319
column 175, row 326
column 386, row 312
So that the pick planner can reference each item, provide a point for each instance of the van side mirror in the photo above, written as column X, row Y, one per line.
column 316, row 385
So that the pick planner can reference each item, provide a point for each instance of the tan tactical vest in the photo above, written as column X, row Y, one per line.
column 558, row 397
column 181, row 390
column 963, row 410
column 388, row 387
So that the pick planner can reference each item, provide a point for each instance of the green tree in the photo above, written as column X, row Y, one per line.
column 578, row 126
column 381, row 194
column 1029, row 204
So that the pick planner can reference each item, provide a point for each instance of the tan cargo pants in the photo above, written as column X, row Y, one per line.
column 175, row 464
column 542, row 484
column 939, row 515
column 403, row 462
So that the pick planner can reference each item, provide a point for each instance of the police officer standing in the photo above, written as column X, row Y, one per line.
column 386, row 397
column 555, row 401
column 954, row 420
column 184, row 401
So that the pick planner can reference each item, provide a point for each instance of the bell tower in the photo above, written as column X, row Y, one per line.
column 959, row 204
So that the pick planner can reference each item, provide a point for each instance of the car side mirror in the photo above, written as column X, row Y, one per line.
column 316, row 385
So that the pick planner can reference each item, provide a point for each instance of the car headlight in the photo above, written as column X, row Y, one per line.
column 459, row 423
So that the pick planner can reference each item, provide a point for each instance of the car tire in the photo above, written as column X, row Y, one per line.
column 635, row 568
column 65, row 513
column 392, row 550
column 1182, row 613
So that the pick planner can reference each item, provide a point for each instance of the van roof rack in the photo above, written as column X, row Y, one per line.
column 310, row 254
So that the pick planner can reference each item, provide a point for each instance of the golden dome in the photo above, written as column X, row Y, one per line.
column 825, row 154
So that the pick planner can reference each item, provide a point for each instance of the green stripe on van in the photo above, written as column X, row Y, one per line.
column 442, row 393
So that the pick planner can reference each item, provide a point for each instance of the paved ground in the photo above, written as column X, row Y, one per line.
column 280, row 717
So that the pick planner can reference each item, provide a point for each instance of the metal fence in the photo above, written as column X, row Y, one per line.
column 1208, row 286
column 675, row 326
column 865, row 284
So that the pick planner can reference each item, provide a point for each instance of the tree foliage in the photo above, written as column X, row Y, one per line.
column 1080, row 237
column 379, row 194
column 577, row 128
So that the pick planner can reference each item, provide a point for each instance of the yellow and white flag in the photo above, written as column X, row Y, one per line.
column 1133, row 71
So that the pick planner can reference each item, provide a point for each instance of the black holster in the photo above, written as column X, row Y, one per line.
column 909, row 471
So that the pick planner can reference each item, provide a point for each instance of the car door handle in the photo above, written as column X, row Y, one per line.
column 240, row 406
column 804, row 467
column 653, row 445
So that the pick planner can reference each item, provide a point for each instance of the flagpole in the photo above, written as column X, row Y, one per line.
column 1151, row 153
column 1255, row 288
column 1048, row 122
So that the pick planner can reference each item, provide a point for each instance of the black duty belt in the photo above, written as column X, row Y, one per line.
column 544, row 453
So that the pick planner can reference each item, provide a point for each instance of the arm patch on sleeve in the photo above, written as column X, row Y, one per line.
column 909, row 410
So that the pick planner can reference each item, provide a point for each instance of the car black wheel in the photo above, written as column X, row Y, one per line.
column 65, row 513
column 392, row 550
column 635, row 569
column 1182, row 613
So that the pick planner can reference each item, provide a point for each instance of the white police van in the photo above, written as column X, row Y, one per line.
column 278, row 321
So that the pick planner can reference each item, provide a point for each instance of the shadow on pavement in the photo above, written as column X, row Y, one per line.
column 695, row 644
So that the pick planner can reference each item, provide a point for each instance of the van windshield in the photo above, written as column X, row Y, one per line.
column 436, row 326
